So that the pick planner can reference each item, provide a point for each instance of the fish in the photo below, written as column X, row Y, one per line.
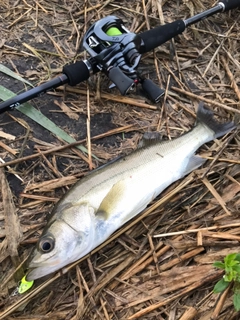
column 104, row 200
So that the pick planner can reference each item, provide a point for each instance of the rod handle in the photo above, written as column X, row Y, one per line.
column 230, row 4
column 159, row 35
column 76, row 72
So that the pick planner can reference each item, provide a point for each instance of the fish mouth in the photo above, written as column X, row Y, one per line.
column 38, row 269
column 35, row 273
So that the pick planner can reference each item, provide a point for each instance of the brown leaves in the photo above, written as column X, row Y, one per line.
column 166, row 282
column 12, row 223
column 51, row 185
column 138, row 275
column 67, row 110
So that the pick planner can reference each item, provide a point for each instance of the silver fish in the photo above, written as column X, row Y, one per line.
column 104, row 200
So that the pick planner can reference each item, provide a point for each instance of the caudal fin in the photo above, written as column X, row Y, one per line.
column 205, row 116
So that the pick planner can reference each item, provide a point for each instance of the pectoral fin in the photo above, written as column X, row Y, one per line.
column 112, row 200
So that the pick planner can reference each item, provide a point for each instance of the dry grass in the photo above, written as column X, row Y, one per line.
column 133, row 275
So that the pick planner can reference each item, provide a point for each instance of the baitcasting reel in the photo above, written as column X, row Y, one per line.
column 116, row 51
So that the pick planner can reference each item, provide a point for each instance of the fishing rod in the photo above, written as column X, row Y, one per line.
column 116, row 51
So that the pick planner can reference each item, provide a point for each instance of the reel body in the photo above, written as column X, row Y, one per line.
column 116, row 52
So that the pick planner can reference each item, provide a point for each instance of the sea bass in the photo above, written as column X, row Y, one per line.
column 104, row 200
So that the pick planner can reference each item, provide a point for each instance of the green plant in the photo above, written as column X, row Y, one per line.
column 231, row 265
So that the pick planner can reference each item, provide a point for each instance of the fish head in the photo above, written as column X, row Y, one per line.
column 66, row 238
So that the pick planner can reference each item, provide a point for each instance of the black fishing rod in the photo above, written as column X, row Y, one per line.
column 116, row 51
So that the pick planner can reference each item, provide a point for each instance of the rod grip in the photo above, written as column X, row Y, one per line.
column 76, row 72
column 230, row 4
column 159, row 35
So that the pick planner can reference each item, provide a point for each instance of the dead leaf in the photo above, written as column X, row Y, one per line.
column 67, row 110
column 7, row 136
column 12, row 223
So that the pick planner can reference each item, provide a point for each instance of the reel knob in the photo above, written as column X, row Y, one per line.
column 122, row 82
column 152, row 90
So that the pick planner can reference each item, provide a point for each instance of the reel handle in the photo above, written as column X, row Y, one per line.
column 122, row 82
column 152, row 90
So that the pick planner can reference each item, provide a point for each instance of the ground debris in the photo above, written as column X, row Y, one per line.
column 159, row 266
column 12, row 223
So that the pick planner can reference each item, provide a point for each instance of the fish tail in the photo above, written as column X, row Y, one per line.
column 206, row 117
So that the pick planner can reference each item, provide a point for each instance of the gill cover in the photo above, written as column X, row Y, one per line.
column 62, row 240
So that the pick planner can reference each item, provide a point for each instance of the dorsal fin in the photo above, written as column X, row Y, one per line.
column 150, row 138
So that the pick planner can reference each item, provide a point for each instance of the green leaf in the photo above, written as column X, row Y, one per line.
column 14, row 75
column 220, row 286
column 237, row 257
column 228, row 269
column 219, row 264
column 37, row 116
column 236, row 301
column 228, row 277
column 236, row 268
column 236, row 287
column 228, row 259
column 233, row 263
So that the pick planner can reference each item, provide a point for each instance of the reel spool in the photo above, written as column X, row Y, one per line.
column 116, row 51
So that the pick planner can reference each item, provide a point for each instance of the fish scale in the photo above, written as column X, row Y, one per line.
column 105, row 199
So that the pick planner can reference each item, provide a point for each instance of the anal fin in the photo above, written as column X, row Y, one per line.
column 194, row 162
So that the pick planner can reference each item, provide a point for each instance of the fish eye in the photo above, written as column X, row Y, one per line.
column 46, row 244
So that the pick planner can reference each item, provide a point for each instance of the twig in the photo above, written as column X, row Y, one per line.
column 220, row 303
column 209, row 101
column 216, row 195
column 231, row 78
column 173, row 297
column 60, row 148
column 231, row 225
column 112, row 97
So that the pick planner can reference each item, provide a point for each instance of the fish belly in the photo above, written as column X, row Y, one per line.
column 130, row 195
